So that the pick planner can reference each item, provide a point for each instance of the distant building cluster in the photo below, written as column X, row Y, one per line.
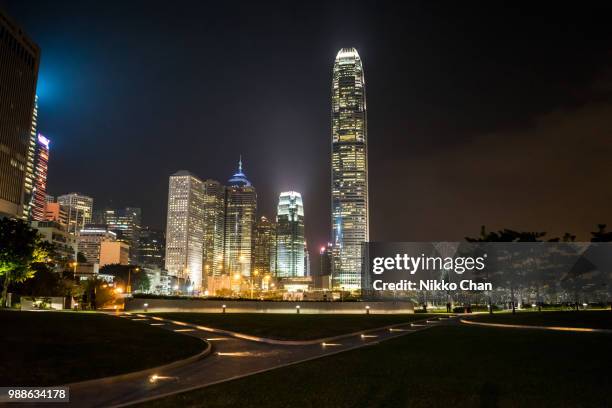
column 217, row 245
column 215, row 242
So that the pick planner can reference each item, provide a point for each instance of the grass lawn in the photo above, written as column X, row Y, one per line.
column 600, row 319
column 452, row 366
column 53, row 348
column 293, row 326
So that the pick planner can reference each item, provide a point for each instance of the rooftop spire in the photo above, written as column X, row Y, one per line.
column 240, row 165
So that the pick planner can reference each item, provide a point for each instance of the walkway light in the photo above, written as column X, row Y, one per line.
column 223, row 308
column 146, row 305
column 297, row 309
column 367, row 308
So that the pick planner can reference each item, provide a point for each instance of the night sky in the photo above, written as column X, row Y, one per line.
column 477, row 113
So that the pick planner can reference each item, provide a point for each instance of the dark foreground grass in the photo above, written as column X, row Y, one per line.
column 52, row 348
column 592, row 319
column 452, row 366
column 292, row 326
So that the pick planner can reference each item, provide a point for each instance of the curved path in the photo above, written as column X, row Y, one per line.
column 535, row 327
column 234, row 355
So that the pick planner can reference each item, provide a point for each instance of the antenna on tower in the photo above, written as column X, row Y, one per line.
column 240, row 165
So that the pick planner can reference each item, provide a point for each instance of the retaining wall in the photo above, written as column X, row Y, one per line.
column 248, row 306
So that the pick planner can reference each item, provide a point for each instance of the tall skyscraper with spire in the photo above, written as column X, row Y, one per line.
column 349, row 169
column 240, row 218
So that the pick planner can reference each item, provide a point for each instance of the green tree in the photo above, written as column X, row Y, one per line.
column 601, row 235
column 123, row 275
column 508, row 235
column 20, row 249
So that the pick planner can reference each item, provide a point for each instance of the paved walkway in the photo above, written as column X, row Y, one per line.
column 232, row 357
column 535, row 327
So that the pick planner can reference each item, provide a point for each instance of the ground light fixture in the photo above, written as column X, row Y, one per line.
column 367, row 309
column 297, row 309
column 223, row 307
column 146, row 305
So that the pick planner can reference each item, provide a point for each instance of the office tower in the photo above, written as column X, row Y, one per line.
column 349, row 160
column 126, row 223
column 214, row 227
column 19, row 59
column 40, row 179
column 79, row 208
column 307, row 271
column 264, row 256
column 185, row 228
column 240, row 210
column 151, row 248
column 290, row 235
column 30, row 175
column 49, row 198
column 90, row 240
column 325, row 255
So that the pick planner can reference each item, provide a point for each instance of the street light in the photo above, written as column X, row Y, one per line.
column 128, row 288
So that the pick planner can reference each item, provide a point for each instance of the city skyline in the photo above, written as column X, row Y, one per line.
column 420, row 113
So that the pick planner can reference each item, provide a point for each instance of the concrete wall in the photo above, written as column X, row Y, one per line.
column 247, row 306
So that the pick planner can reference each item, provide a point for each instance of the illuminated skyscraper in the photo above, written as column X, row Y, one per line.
column 349, row 175
column 185, row 228
column 40, row 179
column 265, row 246
column 240, row 212
column 290, row 249
column 126, row 223
column 79, row 208
column 19, row 59
column 30, row 175
column 214, row 227
column 151, row 248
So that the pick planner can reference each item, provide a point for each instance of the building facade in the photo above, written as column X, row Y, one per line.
column 79, row 208
column 214, row 227
column 349, row 172
column 126, row 223
column 185, row 228
column 30, row 175
column 114, row 252
column 264, row 256
column 240, row 217
column 90, row 241
column 20, row 58
column 40, row 179
column 290, row 245
column 65, row 245
column 55, row 212
column 151, row 248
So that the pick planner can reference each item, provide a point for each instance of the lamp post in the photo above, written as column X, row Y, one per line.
column 255, row 273
column 128, row 288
